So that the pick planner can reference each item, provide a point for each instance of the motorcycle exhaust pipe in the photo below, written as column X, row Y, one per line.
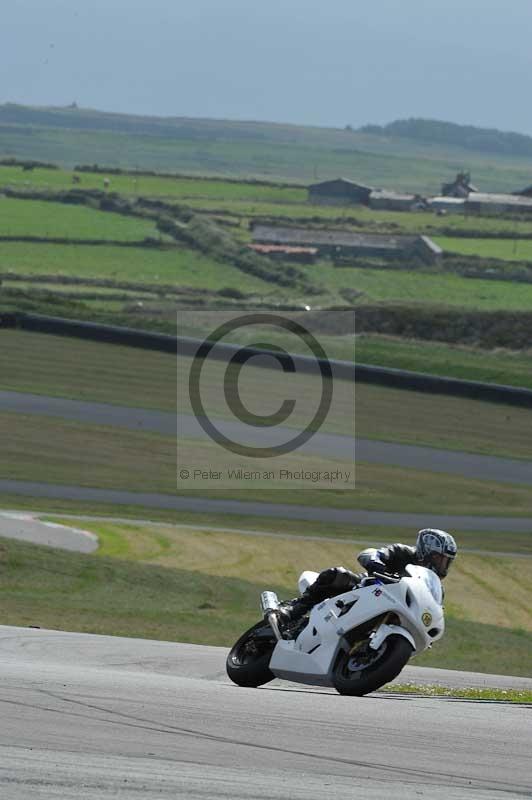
column 270, row 606
column 269, row 602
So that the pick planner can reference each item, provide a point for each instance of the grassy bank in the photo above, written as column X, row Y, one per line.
column 167, row 593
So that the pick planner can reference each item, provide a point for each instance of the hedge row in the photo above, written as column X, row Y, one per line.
column 486, row 329
column 145, row 173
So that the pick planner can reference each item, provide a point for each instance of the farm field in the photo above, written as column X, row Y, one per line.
column 44, row 219
column 151, row 185
column 504, row 249
column 249, row 200
column 414, row 286
column 184, row 267
column 178, row 266
column 194, row 274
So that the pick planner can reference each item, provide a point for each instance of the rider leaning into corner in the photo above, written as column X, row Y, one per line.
column 434, row 549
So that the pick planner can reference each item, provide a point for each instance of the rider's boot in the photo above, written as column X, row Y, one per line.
column 294, row 610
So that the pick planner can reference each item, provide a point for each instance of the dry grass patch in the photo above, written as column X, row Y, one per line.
column 485, row 589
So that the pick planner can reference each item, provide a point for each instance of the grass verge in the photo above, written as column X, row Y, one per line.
column 498, row 695
column 83, row 370
column 84, row 455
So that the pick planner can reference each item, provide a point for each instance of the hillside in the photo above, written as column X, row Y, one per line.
column 483, row 140
column 394, row 159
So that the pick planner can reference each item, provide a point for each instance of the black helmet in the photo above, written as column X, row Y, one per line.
column 436, row 550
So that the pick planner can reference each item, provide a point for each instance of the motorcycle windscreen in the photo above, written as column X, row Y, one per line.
column 434, row 585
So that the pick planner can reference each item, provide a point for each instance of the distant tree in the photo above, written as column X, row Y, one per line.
column 466, row 136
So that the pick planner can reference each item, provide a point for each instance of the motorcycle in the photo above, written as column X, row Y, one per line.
column 355, row 642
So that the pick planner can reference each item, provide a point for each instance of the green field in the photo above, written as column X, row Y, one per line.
column 54, row 220
column 183, row 267
column 414, row 286
column 467, row 363
column 504, row 249
column 178, row 266
column 151, row 186
column 250, row 200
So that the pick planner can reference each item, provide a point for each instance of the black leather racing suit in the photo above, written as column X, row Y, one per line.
column 337, row 580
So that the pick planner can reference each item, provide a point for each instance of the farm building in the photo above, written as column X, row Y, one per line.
column 345, row 243
column 339, row 192
column 481, row 203
column 527, row 192
column 393, row 201
column 460, row 187
column 451, row 205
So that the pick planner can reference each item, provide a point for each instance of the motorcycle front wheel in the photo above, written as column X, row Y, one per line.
column 362, row 670
column 248, row 660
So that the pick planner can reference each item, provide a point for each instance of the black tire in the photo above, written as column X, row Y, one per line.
column 248, row 660
column 386, row 665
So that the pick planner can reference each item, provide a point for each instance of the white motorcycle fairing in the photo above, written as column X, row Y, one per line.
column 415, row 603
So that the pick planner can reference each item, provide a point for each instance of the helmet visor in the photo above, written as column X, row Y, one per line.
column 440, row 563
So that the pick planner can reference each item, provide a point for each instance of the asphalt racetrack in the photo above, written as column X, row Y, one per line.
column 503, row 470
column 102, row 717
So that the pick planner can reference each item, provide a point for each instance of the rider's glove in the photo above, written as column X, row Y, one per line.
column 374, row 565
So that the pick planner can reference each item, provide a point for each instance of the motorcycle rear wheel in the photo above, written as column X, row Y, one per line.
column 248, row 660
column 351, row 677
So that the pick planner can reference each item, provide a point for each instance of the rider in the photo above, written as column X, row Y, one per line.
column 435, row 549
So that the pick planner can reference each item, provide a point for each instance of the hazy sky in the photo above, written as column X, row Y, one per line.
column 306, row 61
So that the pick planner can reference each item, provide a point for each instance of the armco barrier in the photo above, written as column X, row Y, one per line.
column 344, row 370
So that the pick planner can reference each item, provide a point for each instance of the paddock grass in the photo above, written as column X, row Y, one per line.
column 152, row 185
column 249, row 200
column 416, row 286
column 504, row 249
column 168, row 592
column 46, row 219
column 177, row 266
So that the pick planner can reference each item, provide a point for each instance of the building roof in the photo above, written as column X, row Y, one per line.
column 435, row 248
column 334, row 238
column 500, row 199
column 527, row 191
column 346, row 181
column 447, row 201
column 283, row 248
